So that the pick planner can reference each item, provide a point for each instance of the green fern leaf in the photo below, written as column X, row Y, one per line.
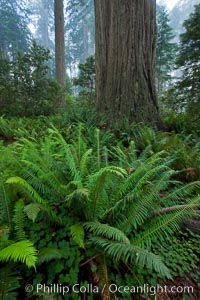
column 70, row 159
column 47, row 254
column 131, row 254
column 22, row 251
column 108, row 231
column 9, row 282
column 34, row 194
column 18, row 219
column 165, row 225
column 84, row 162
column 32, row 210
column 97, row 183
column 77, row 233
column 5, row 211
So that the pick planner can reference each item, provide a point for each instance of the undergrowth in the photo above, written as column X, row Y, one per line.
column 83, row 203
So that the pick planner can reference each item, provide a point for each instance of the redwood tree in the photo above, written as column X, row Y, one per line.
column 59, row 46
column 125, row 59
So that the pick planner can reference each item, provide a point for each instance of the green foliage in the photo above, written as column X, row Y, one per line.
column 184, row 245
column 188, row 60
column 32, row 210
column 179, row 13
column 25, row 88
column 77, row 233
column 94, row 204
column 14, row 27
column 79, row 31
column 33, row 193
column 22, row 251
column 165, row 52
column 184, row 124
column 19, row 219
column 86, row 79
column 9, row 282
column 182, row 142
column 47, row 254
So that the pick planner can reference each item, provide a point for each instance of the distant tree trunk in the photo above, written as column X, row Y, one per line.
column 45, row 23
column 4, row 51
column 59, row 46
column 85, row 41
column 45, row 29
column 125, row 59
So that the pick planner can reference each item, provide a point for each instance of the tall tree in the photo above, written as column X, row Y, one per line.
column 165, row 51
column 189, row 61
column 179, row 13
column 125, row 59
column 43, row 21
column 80, row 30
column 60, row 46
column 14, row 33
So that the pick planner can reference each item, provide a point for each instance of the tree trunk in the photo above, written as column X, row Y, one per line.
column 45, row 23
column 59, row 46
column 85, row 40
column 125, row 59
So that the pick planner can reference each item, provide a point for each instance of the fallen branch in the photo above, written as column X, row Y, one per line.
column 166, row 210
column 90, row 259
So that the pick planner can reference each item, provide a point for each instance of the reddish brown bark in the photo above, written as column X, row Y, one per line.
column 125, row 59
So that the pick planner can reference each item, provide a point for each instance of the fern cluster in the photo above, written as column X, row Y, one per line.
column 107, row 202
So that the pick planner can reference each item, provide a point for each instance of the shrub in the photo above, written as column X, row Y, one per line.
column 25, row 89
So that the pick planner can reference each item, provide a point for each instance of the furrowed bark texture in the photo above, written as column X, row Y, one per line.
column 125, row 59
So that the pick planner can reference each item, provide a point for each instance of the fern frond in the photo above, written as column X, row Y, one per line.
column 47, row 254
column 107, row 231
column 150, row 168
column 84, row 162
column 22, row 251
column 183, row 192
column 34, row 194
column 9, row 282
column 77, row 233
column 19, row 219
column 139, row 205
column 5, row 201
column 126, row 159
column 82, row 192
column 32, row 210
column 70, row 159
column 98, row 181
column 4, row 235
column 39, row 173
column 97, row 133
column 40, row 160
column 131, row 254
column 165, row 225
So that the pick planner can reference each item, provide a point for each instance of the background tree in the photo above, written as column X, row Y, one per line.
column 60, row 47
column 25, row 89
column 125, row 59
column 179, row 13
column 43, row 21
column 86, row 80
column 165, row 52
column 189, row 62
column 14, row 32
column 79, row 32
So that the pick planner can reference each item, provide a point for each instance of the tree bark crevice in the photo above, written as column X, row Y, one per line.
column 125, row 59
